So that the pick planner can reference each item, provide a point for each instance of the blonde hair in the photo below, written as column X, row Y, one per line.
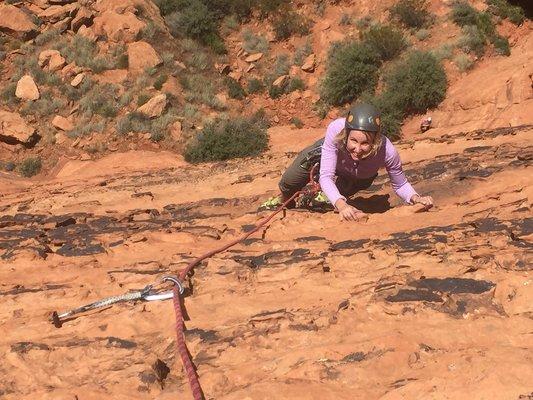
column 377, row 140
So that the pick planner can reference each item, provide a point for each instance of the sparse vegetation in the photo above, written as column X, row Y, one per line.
column 295, row 83
column 346, row 19
column 255, row 86
column 463, row 62
column 100, row 100
column 30, row 166
column 226, row 139
column 478, row 28
column 443, row 52
column 254, row 43
column 297, row 122
column 422, row 34
column 385, row 40
column 412, row 13
column 160, row 81
column 235, row 90
column 302, row 52
column 503, row 9
column 46, row 105
column 290, row 23
column 352, row 68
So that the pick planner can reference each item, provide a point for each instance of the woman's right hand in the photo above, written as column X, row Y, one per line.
column 348, row 212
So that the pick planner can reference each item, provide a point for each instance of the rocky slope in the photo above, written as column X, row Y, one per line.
column 408, row 304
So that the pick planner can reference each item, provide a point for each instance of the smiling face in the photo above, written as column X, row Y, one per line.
column 359, row 144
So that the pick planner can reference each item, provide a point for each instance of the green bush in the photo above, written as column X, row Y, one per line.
column 385, row 40
column 463, row 62
column 503, row 9
column 254, row 43
column 297, row 122
column 463, row 13
column 192, row 18
column 235, row 90
column 472, row 40
column 417, row 83
column 30, row 166
column 226, row 139
column 7, row 96
column 501, row 45
column 100, row 100
column 295, row 83
column 346, row 19
column 84, row 53
column 412, row 13
column 255, row 86
column 422, row 34
column 302, row 52
column 290, row 23
column 352, row 68
column 160, row 81
column 443, row 52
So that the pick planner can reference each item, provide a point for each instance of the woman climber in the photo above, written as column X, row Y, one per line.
column 350, row 156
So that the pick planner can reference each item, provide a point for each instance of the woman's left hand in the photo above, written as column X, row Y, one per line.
column 424, row 200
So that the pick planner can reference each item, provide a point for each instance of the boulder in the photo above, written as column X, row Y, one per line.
column 15, row 22
column 83, row 17
column 154, row 107
column 253, row 57
column 281, row 81
column 142, row 55
column 78, row 79
column 118, row 27
column 309, row 64
column 51, row 60
column 176, row 131
column 87, row 33
column 62, row 123
column 27, row 89
column 14, row 130
column 57, row 13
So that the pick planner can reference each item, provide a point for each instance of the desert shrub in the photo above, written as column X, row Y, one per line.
column 346, row 19
column 297, row 122
column 351, row 69
column 76, row 93
column 443, row 52
column 268, row 7
column 412, row 13
column 142, row 98
column 418, row 82
column 422, row 34
column 503, row 9
column 133, row 122
column 7, row 95
column 30, row 166
column 149, row 31
column 276, row 91
column 463, row 13
column 302, row 52
column 159, row 81
column 47, row 36
column 295, row 83
column 254, row 43
column 44, row 106
column 226, row 139
column 290, row 23
column 100, row 100
column 199, row 60
column 193, row 18
column 235, row 90
column 463, row 62
column 86, row 127
column 385, row 40
column 472, row 40
column 501, row 45
column 364, row 23
column 255, row 86
column 198, row 90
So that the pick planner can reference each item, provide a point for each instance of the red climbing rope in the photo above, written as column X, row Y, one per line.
column 180, row 324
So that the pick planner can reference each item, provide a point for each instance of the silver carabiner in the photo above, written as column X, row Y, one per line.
column 176, row 282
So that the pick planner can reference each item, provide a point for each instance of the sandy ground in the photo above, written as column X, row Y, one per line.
column 407, row 305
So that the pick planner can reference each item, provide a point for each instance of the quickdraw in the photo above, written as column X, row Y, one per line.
column 149, row 293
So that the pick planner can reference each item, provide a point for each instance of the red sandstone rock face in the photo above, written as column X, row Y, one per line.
column 405, row 305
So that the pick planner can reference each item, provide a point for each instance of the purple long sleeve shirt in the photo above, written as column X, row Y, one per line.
column 335, row 161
